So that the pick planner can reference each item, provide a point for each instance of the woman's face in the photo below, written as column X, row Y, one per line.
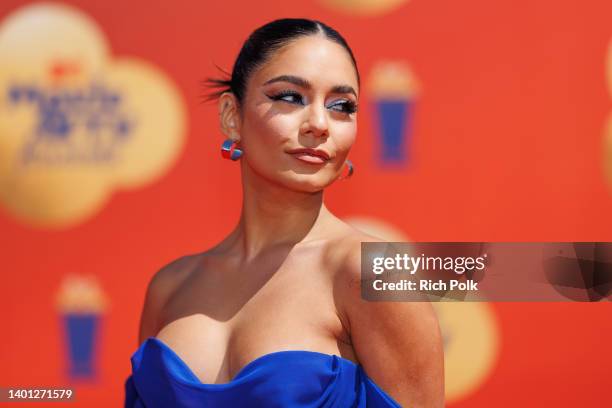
column 299, row 116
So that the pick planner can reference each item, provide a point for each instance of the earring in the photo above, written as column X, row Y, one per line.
column 229, row 150
column 349, row 173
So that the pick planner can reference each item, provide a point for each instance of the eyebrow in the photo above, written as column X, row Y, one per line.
column 303, row 83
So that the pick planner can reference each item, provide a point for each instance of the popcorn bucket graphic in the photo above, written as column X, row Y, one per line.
column 81, row 303
column 393, row 118
column 81, row 330
column 394, row 89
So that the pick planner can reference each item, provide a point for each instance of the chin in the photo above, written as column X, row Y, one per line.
column 308, row 183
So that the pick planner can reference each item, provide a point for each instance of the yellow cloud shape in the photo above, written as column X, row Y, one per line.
column 76, row 124
column 364, row 7
column 471, row 345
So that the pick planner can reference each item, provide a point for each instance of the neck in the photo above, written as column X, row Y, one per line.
column 273, row 215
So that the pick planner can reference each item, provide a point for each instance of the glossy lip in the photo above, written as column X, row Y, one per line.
column 313, row 152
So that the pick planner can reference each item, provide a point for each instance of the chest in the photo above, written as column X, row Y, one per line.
column 220, row 319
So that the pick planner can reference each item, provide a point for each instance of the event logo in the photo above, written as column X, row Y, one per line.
column 75, row 122
column 81, row 304
column 394, row 89
column 364, row 7
column 607, row 145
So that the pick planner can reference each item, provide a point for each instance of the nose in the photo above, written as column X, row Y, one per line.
column 316, row 121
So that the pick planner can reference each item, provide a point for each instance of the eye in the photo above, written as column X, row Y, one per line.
column 344, row 106
column 287, row 96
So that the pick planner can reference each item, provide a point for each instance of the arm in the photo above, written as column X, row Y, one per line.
column 159, row 290
column 398, row 343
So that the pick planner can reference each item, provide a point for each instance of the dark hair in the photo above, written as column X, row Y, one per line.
column 262, row 43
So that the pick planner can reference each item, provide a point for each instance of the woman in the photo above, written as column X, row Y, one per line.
column 272, row 316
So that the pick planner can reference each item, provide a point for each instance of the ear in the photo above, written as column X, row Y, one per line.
column 229, row 115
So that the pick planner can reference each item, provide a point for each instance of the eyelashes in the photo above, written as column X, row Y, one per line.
column 343, row 105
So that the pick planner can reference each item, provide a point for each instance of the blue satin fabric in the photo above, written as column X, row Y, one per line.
column 294, row 379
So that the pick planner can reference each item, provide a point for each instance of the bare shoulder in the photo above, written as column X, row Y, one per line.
column 159, row 289
column 174, row 272
column 344, row 257
column 346, row 247
column 398, row 343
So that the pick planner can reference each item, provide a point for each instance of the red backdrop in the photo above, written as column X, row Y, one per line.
column 506, row 143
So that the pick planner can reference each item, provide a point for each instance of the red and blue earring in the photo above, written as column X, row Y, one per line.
column 230, row 150
column 349, row 172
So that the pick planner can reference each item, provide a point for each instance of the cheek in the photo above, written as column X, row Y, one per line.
column 264, row 130
column 344, row 136
column 265, row 137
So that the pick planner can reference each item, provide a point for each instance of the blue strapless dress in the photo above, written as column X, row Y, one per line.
column 294, row 379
